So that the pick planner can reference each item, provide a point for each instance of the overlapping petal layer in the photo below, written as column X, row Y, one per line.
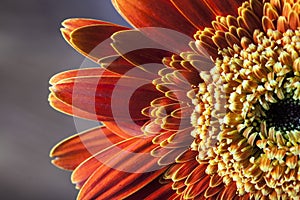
column 73, row 151
column 183, row 118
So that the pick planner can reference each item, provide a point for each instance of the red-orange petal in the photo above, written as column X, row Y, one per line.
column 108, row 183
column 120, row 65
column 202, row 13
column 184, row 170
column 155, row 42
column 229, row 192
column 196, row 189
column 197, row 12
column 94, row 41
column 97, row 71
column 74, row 23
column 196, row 175
column 187, row 156
column 68, row 109
column 69, row 153
column 181, row 138
column 112, row 179
column 125, row 129
column 145, row 13
column 154, row 190
column 225, row 7
column 108, row 97
column 164, row 192
column 69, row 25
column 171, row 156
column 119, row 151
column 162, row 137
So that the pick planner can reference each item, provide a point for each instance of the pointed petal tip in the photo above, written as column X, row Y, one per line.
column 85, row 34
column 57, row 149
column 52, row 153
column 52, row 90
column 73, row 23
column 58, row 105
column 56, row 162
column 63, row 75
column 66, row 34
column 74, row 150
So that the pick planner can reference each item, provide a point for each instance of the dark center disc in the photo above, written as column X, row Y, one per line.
column 284, row 115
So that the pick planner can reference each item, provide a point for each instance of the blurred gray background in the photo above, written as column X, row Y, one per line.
column 31, row 51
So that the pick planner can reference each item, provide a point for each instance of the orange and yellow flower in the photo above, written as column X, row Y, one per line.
column 200, row 100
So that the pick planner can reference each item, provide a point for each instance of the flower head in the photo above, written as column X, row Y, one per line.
column 215, row 116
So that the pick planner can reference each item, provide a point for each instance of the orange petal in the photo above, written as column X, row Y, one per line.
column 225, row 7
column 68, row 109
column 192, row 77
column 118, row 64
column 158, row 102
column 114, row 178
column 187, row 156
column 151, row 128
column 179, row 186
column 171, row 156
column 74, row 23
column 183, row 112
column 229, row 192
column 167, row 156
column 212, row 192
column 171, row 123
column 172, row 170
column 162, row 137
column 81, row 73
column 196, row 175
column 196, row 189
column 165, row 87
column 69, row 153
column 125, row 129
column 181, row 138
column 126, row 42
column 107, row 183
column 108, row 97
column 145, row 13
column 185, row 170
column 164, row 192
column 177, row 197
column 197, row 12
column 156, row 43
column 120, row 150
column 114, row 65
column 154, row 190
column 94, row 41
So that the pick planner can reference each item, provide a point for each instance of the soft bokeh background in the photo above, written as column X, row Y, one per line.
column 31, row 51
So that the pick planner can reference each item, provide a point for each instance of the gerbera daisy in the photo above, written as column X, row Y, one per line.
column 205, row 105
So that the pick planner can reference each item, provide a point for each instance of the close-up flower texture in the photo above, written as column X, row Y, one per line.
column 200, row 99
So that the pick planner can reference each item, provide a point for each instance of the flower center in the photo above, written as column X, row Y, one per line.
column 246, row 117
column 284, row 115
